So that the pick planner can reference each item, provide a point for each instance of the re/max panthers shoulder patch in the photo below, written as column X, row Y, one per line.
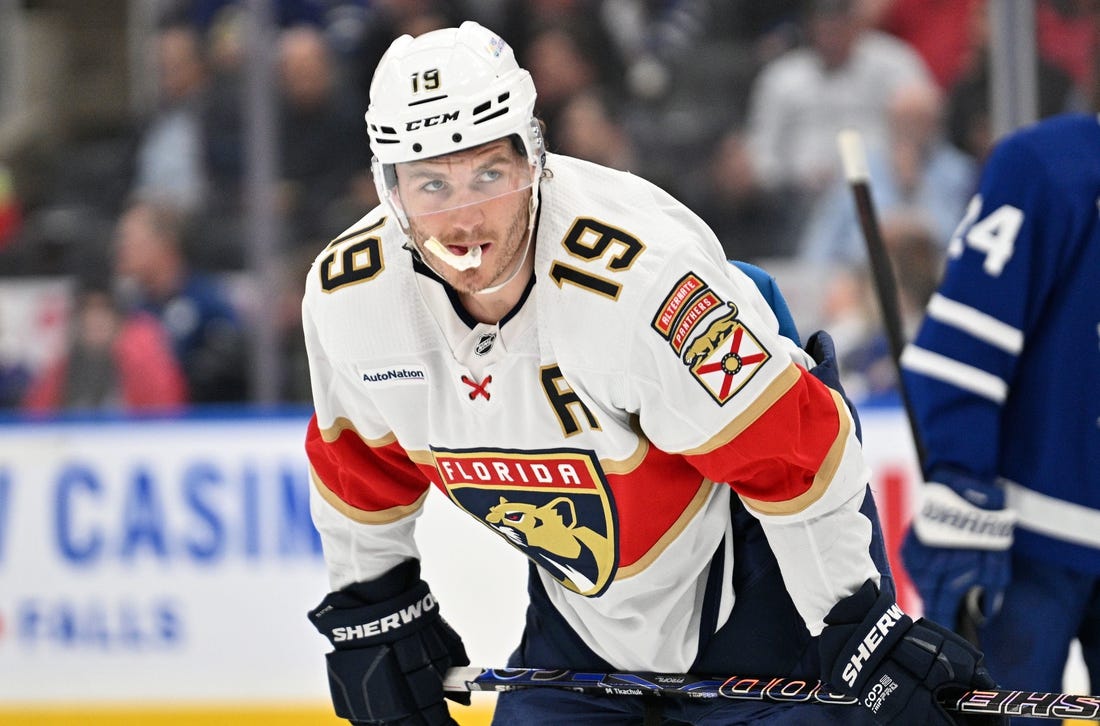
column 723, row 355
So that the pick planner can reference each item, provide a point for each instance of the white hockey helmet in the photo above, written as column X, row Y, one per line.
column 445, row 91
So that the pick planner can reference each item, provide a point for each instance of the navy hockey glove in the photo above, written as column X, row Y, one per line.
column 392, row 650
column 821, row 348
column 957, row 545
column 871, row 650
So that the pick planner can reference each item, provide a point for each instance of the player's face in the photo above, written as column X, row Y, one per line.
column 479, row 197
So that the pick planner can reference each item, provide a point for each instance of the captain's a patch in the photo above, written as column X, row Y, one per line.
column 712, row 342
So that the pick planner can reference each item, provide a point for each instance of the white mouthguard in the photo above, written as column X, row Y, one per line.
column 468, row 261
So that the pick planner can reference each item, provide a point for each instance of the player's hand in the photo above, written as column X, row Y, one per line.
column 957, row 543
column 821, row 348
column 392, row 650
column 872, row 650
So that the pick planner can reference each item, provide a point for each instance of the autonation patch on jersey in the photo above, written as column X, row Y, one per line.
column 395, row 375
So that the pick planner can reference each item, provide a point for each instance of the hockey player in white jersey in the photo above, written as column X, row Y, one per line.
column 563, row 351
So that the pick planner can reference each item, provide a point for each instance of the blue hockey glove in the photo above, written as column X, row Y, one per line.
column 957, row 545
column 821, row 348
column 392, row 650
column 871, row 650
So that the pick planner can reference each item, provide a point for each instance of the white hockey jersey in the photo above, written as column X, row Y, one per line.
column 601, row 427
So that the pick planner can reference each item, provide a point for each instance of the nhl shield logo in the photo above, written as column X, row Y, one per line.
column 485, row 344
column 554, row 506
column 725, row 356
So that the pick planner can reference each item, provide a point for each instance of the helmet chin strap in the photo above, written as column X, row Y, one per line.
column 531, row 215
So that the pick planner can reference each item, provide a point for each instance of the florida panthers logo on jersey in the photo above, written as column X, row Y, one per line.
column 554, row 506
column 724, row 355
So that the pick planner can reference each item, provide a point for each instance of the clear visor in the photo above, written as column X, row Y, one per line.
column 429, row 188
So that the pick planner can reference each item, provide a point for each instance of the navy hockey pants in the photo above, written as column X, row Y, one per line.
column 763, row 636
column 1045, row 607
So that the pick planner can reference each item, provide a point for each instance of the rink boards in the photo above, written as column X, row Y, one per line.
column 160, row 570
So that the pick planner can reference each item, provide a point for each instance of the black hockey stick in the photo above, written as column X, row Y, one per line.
column 788, row 690
column 854, row 159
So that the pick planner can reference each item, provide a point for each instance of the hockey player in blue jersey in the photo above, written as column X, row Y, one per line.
column 1004, row 382
column 564, row 352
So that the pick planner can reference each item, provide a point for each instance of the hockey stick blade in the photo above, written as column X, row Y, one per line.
column 786, row 690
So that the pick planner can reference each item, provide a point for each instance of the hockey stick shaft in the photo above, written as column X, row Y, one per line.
column 784, row 690
column 854, row 159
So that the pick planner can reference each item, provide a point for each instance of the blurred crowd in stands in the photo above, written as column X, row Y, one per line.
column 731, row 105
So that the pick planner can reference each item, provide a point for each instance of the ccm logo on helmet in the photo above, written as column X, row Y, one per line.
column 436, row 120
column 871, row 641
column 404, row 616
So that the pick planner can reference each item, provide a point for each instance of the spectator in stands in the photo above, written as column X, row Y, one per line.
column 15, row 373
column 224, row 143
column 920, row 173
column 169, row 166
column 384, row 21
column 942, row 31
column 842, row 78
column 284, row 304
column 205, row 13
column 579, row 35
column 752, row 222
column 561, row 70
column 114, row 362
column 590, row 130
column 221, row 227
column 969, row 124
column 937, row 29
column 206, row 334
column 321, row 130
column 314, row 121
column 1069, row 38
column 868, row 371
column 11, row 214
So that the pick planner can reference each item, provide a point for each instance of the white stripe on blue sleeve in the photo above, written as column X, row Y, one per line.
column 951, row 371
column 974, row 322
